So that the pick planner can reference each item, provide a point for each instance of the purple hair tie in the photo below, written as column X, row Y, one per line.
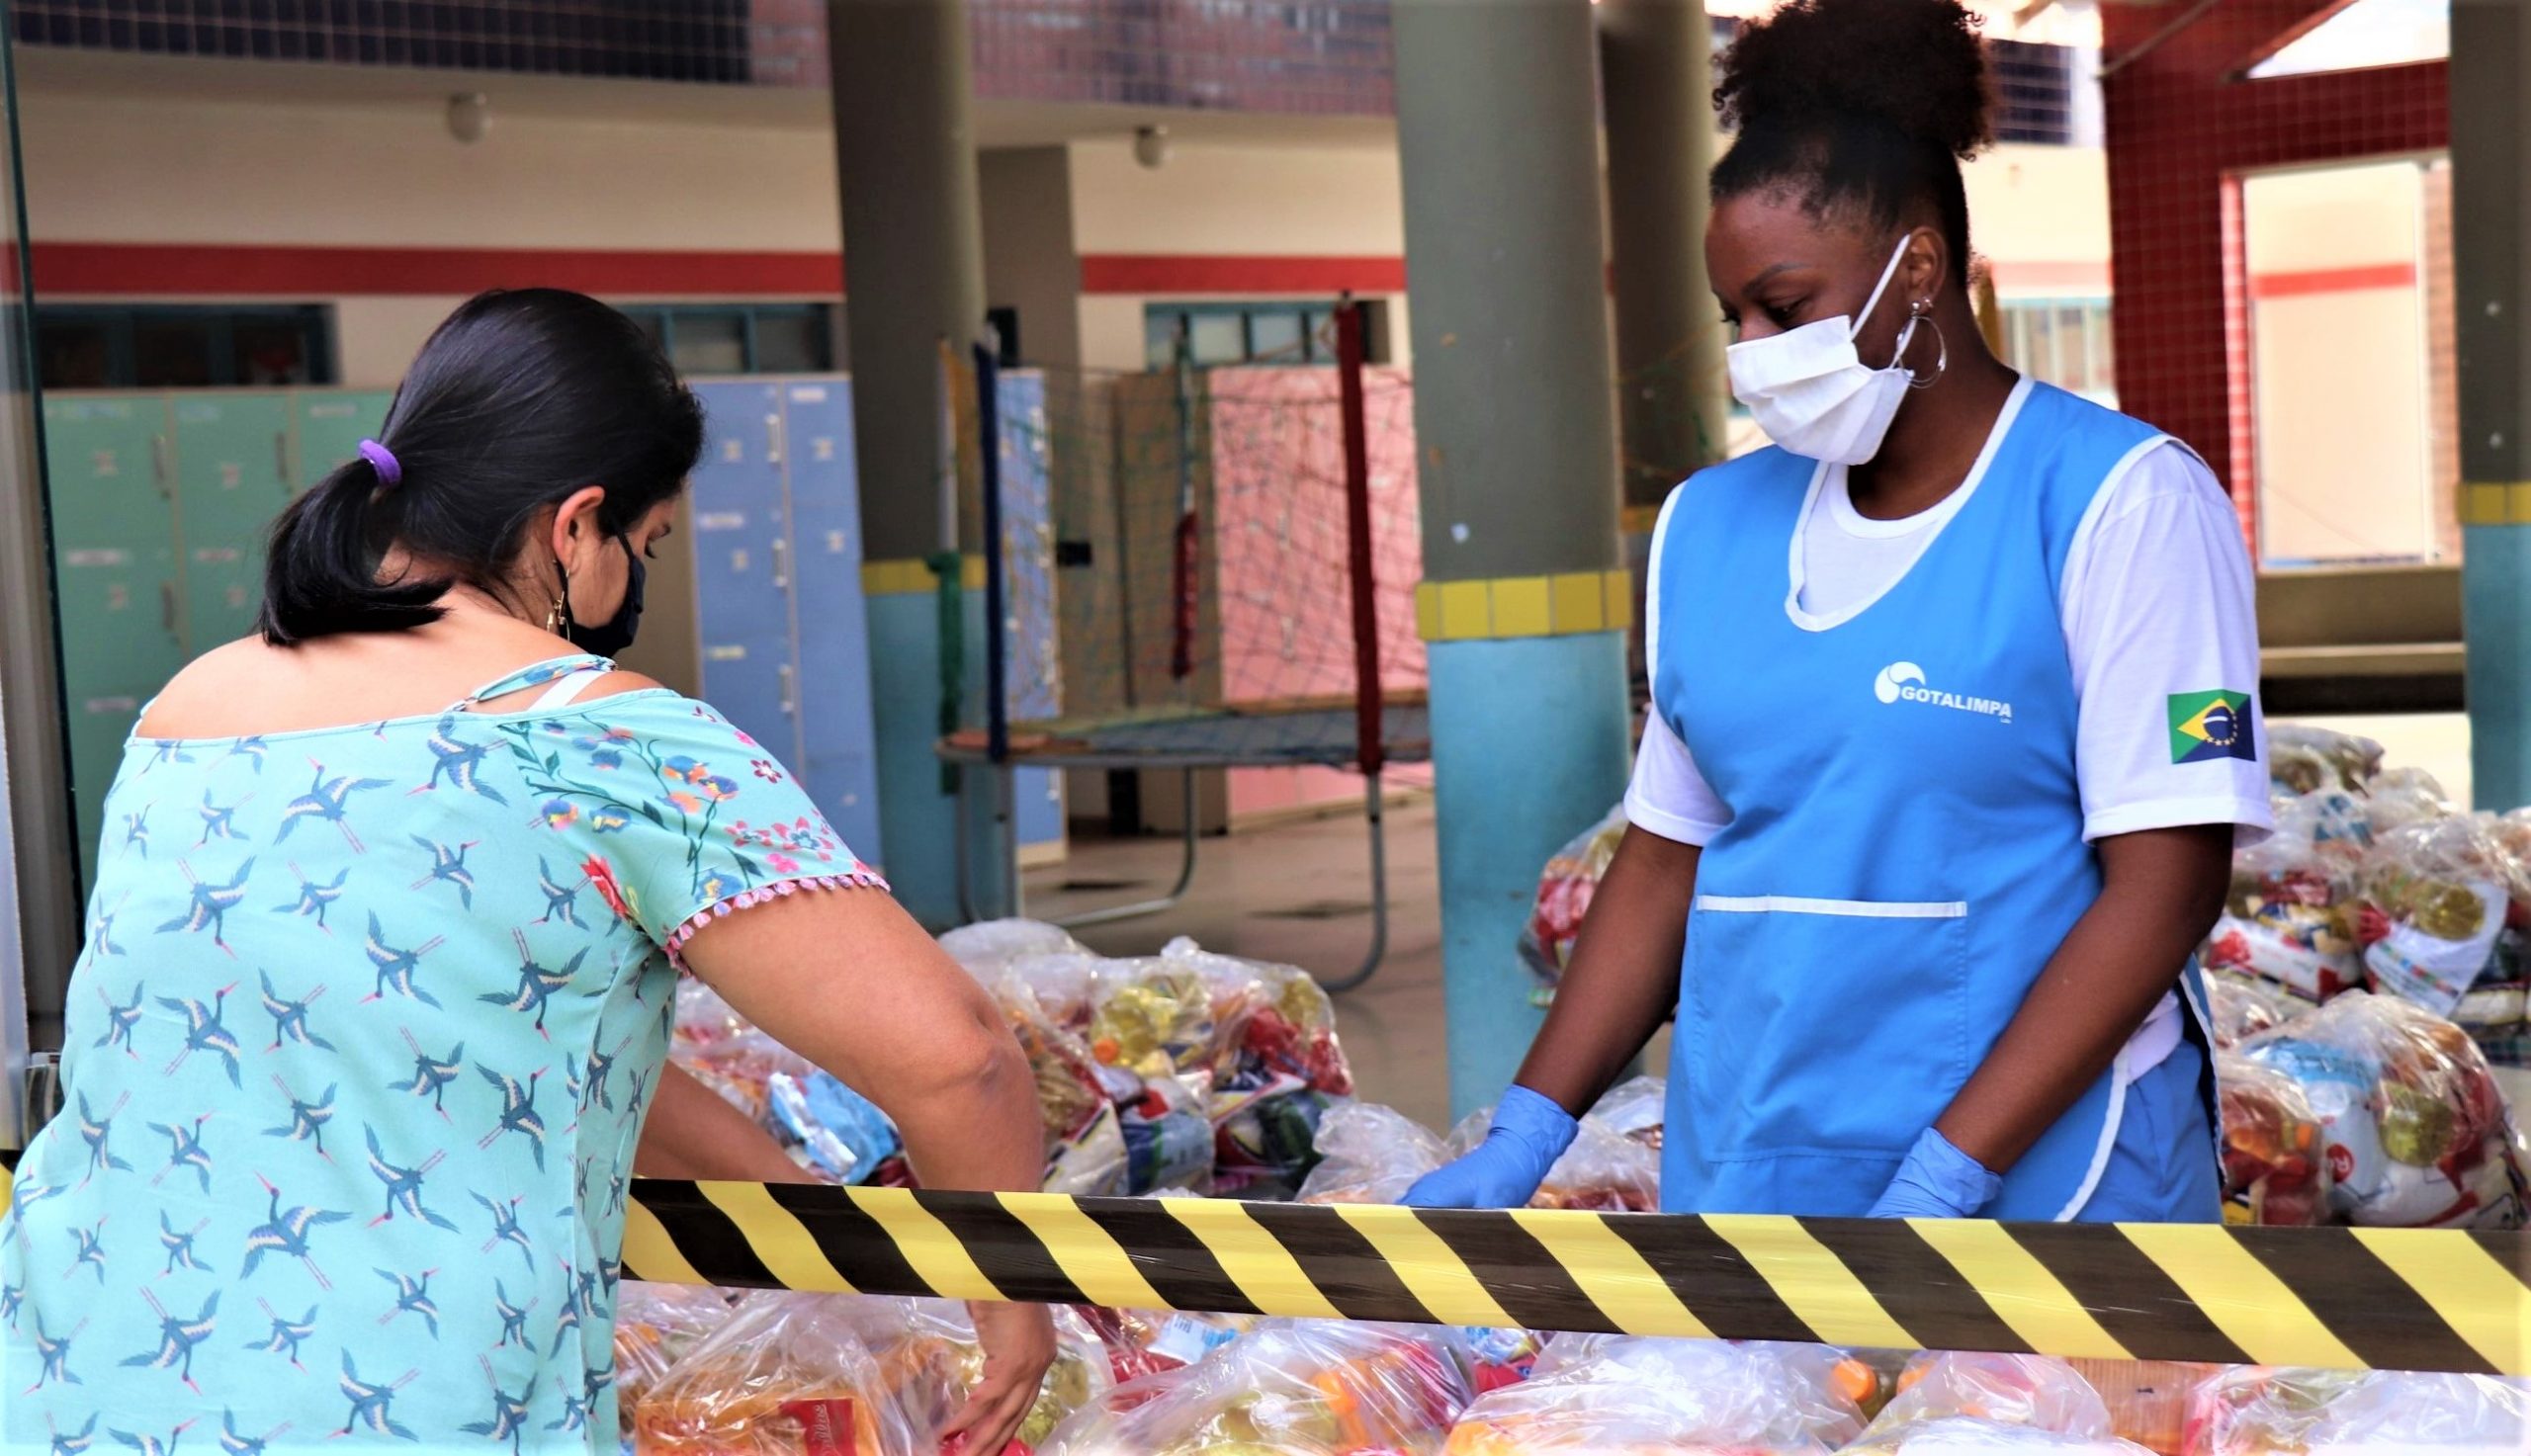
column 382, row 461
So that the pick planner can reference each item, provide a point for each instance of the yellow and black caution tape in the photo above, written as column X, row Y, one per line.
column 2346, row 1297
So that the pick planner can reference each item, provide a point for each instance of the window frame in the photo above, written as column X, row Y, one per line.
column 316, row 323
column 1313, row 311
column 659, row 317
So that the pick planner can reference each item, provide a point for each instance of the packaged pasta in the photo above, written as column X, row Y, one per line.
column 2255, row 1411
column 2413, row 1122
column 656, row 1325
column 2276, row 1165
column 1638, row 1396
column 1287, row 1388
column 1565, row 886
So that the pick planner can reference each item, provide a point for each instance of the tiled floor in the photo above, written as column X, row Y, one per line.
column 1295, row 893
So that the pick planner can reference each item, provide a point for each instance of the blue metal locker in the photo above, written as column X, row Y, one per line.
column 742, row 587
column 1033, row 673
column 839, row 762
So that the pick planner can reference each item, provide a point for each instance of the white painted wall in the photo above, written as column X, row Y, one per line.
column 1318, row 201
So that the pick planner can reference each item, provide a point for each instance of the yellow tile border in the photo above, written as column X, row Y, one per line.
column 911, row 575
column 2495, row 503
column 1508, row 607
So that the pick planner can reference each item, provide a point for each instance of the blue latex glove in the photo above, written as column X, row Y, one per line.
column 1530, row 1133
column 1936, row 1181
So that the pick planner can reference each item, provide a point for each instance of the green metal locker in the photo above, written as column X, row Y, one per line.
column 331, row 424
column 232, row 477
column 112, row 480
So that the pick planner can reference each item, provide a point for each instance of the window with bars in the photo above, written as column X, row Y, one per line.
column 2035, row 86
column 1279, row 332
column 741, row 338
column 181, row 346
column 2063, row 342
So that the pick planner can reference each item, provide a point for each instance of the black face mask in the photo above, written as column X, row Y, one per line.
column 612, row 636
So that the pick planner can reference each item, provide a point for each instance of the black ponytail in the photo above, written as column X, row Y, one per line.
column 519, row 399
column 1865, row 108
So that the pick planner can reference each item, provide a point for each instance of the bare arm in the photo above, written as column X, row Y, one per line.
column 692, row 1132
column 2162, row 891
column 849, row 981
column 1625, row 975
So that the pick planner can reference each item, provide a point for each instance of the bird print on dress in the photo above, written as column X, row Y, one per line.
column 205, row 1031
column 572, row 841
column 180, row 1247
column 405, row 1186
column 509, row 1421
column 328, row 801
column 306, row 1119
column 313, row 899
column 518, row 1110
column 371, row 1404
column 187, row 1152
column 507, row 1229
column 177, row 1339
column 431, row 1076
column 235, row 1445
column 396, row 969
column 120, row 1022
column 210, row 905
column 287, row 1336
column 287, row 1233
column 412, row 1297
column 150, row 1445
column 535, row 985
column 289, row 1018
column 448, row 867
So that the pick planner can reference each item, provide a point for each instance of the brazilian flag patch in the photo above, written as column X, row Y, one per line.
column 2207, row 726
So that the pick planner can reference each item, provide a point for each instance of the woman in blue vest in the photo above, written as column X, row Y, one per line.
column 1953, row 730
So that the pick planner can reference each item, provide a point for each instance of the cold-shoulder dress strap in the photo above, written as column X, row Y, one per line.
column 538, row 674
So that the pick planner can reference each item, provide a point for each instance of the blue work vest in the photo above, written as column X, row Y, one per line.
column 1906, row 845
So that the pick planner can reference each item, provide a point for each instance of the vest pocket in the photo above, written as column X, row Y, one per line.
column 1823, row 1026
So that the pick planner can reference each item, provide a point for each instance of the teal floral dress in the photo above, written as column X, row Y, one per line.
column 356, row 1057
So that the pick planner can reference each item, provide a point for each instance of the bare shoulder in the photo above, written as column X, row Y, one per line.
column 214, row 679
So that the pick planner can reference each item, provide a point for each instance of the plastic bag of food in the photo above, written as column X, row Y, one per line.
column 1169, row 1141
column 2291, row 915
column 1287, row 1388
column 2147, row 1400
column 1084, row 1144
column 655, row 1325
column 2438, row 892
column 2243, row 1007
column 1992, row 1403
column 841, row 1133
column 785, row 1376
column 2413, row 1122
column 1637, row 1109
column 1603, row 1171
column 2256, row 1411
column 1268, row 1019
column 1152, row 1017
column 987, row 947
column 928, row 1362
column 2303, row 759
column 1142, row 1342
column 2401, row 797
column 1565, row 886
column 1370, row 1154
column 2276, row 1165
column 1675, row 1397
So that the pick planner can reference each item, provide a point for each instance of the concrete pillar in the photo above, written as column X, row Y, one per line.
column 1525, row 600
column 2490, row 68
column 1656, row 82
column 913, row 266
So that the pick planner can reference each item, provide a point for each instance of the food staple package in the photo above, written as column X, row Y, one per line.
column 2413, row 1122
column 2251, row 1410
column 785, row 1376
column 1565, row 886
column 1969, row 1405
column 1637, row 1396
column 2438, row 896
column 2303, row 760
column 2276, row 1164
column 1287, row 1388
column 2293, row 915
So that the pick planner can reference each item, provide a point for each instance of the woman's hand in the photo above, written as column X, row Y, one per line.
column 1019, row 1344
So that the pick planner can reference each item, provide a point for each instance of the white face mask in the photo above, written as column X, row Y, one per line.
column 1814, row 394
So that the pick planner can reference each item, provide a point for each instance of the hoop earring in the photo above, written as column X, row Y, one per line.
column 1923, row 313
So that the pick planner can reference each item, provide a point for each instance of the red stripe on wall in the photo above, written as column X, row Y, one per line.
column 220, row 270
column 2310, row 281
column 1163, row 273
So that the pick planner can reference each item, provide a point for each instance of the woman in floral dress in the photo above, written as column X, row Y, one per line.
column 383, row 955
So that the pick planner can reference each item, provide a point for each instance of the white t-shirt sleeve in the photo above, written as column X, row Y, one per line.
column 1668, row 796
column 2159, row 608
